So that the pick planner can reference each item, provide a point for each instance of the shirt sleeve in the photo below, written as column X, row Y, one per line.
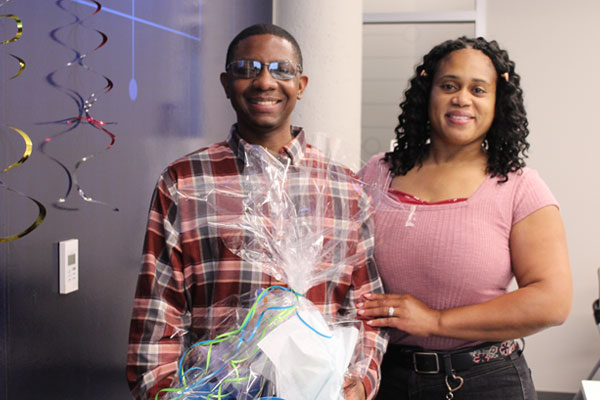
column 161, row 317
column 366, row 280
column 531, row 194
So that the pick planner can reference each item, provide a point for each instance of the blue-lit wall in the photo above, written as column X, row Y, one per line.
column 74, row 346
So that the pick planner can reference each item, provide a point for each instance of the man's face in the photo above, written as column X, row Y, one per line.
column 264, row 104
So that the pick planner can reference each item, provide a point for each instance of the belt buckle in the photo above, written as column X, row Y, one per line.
column 431, row 354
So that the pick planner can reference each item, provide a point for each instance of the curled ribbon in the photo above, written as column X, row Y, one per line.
column 240, row 335
column 19, row 28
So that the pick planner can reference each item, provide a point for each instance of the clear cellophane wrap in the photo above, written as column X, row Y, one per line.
column 274, row 343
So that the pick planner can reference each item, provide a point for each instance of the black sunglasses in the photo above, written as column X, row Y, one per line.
column 247, row 69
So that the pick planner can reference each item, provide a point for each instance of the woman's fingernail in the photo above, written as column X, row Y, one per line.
column 360, row 305
column 370, row 322
column 368, row 295
column 361, row 312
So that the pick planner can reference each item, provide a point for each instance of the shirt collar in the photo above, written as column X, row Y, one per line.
column 294, row 150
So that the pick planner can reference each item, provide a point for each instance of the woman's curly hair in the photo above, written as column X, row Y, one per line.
column 505, row 141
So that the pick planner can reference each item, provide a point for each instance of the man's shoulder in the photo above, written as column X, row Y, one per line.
column 208, row 154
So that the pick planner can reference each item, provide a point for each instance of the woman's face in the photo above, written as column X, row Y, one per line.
column 463, row 97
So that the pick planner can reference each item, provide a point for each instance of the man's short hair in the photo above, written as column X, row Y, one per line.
column 262, row 29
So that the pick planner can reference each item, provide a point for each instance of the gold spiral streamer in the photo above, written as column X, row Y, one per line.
column 28, row 149
column 19, row 28
column 21, row 65
column 28, row 144
column 41, row 208
column 36, row 223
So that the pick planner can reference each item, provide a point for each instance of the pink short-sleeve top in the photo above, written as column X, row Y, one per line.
column 453, row 254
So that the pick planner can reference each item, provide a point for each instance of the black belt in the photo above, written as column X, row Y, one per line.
column 433, row 362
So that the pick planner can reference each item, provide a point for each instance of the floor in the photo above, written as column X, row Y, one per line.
column 555, row 396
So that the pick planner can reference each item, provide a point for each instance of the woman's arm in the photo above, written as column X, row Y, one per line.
column 541, row 267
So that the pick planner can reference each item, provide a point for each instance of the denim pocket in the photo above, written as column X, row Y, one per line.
column 499, row 380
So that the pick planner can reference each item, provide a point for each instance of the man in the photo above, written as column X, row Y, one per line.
column 185, row 271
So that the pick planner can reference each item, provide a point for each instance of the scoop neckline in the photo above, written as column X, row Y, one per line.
column 457, row 204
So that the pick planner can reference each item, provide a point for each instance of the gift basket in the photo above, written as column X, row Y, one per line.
column 272, row 342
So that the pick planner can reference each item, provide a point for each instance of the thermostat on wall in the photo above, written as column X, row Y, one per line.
column 68, row 265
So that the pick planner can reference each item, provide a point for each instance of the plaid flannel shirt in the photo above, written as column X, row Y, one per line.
column 187, row 267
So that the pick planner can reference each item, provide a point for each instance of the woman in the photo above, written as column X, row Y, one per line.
column 458, row 217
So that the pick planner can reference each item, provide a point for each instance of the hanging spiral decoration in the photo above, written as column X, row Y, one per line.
column 83, row 104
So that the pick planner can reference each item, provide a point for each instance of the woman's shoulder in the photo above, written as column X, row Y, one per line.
column 530, row 182
column 526, row 191
column 515, row 178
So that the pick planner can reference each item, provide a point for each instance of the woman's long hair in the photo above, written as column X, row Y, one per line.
column 505, row 141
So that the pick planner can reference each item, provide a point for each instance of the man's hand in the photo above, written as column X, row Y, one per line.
column 354, row 389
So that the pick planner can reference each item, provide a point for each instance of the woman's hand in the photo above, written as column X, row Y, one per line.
column 409, row 314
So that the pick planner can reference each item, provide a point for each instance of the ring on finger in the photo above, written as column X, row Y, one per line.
column 390, row 311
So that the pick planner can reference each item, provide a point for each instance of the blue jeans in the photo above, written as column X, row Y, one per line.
column 505, row 379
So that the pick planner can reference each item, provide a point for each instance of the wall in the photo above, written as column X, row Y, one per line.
column 390, row 53
column 330, row 34
column 74, row 346
column 555, row 47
